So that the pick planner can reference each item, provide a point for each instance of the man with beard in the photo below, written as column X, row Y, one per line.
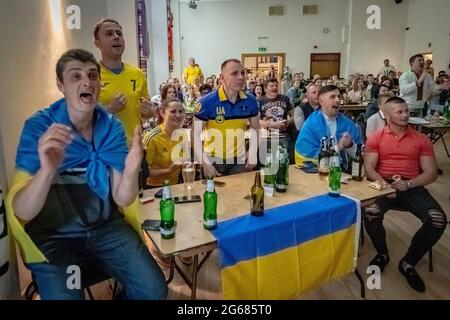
column 327, row 122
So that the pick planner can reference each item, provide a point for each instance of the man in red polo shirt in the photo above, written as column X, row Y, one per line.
column 404, row 159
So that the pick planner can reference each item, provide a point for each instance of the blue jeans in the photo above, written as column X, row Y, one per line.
column 114, row 247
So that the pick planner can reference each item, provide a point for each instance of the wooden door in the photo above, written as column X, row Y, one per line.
column 325, row 64
column 258, row 64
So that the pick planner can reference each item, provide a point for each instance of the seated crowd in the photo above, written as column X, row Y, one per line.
column 65, row 156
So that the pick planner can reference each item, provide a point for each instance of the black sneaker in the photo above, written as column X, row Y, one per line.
column 381, row 261
column 412, row 277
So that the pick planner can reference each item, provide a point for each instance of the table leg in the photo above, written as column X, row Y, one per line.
column 194, row 277
column 445, row 146
column 192, row 282
column 172, row 270
column 361, row 282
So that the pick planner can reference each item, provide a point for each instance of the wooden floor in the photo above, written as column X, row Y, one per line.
column 400, row 227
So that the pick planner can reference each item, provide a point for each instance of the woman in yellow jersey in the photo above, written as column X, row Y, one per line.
column 164, row 145
column 165, row 153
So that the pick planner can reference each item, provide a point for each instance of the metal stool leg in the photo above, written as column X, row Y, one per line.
column 430, row 260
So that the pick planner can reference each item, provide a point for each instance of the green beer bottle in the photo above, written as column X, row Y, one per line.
column 447, row 111
column 334, row 178
column 269, row 175
column 358, row 164
column 210, row 205
column 167, row 211
column 283, row 167
column 257, row 196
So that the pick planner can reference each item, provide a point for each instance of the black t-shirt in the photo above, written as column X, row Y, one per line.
column 276, row 109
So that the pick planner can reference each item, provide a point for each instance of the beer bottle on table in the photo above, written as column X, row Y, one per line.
column 324, row 159
column 447, row 110
column 334, row 177
column 283, row 167
column 210, row 205
column 167, row 212
column 269, row 176
column 357, row 165
column 257, row 196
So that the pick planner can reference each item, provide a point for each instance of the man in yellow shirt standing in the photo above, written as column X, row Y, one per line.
column 124, row 90
column 191, row 71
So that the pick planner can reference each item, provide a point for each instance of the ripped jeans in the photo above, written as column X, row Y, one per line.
column 420, row 203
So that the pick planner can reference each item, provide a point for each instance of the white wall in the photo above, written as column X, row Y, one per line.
column 429, row 21
column 124, row 11
column 158, row 64
column 30, row 50
column 369, row 48
column 210, row 38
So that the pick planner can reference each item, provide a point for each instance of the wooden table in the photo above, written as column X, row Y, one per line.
column 435, row 131
column 191, row 238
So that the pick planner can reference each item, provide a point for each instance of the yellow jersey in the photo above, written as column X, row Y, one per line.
column 162, row 151
column 190, row 73
column 131, row 82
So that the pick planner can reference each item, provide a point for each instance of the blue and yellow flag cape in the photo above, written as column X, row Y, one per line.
column 290, row 249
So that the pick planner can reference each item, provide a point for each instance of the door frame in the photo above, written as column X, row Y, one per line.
column 258, row 54
column 317, row 53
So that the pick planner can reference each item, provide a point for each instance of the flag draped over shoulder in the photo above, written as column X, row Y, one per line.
column 290, row 249
column 108, row 148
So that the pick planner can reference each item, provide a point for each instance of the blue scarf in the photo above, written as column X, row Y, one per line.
column 108, row 148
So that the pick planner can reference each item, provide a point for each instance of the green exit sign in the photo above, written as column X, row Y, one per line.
column 262, row 49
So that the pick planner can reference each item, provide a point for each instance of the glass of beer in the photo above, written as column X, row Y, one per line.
column 188, row 173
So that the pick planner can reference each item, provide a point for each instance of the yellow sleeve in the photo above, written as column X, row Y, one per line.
column 150, row 149
column 30, row 252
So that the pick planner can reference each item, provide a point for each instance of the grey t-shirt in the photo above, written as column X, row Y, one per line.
column 71, row 207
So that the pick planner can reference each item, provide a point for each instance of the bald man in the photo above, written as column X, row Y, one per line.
column 303, row 111
column 403, row 159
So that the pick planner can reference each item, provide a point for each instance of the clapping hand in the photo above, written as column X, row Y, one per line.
column 52, row 146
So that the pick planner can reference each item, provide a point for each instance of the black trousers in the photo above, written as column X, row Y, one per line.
column 417, row 201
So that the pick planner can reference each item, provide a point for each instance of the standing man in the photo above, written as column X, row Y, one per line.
column 124, row 90
column 417, row 86
column 191, row 71
column 327, row 122
column 404, row 159
column 385, row 69
column 74, row 170
column 295, row 93
column 224, row 114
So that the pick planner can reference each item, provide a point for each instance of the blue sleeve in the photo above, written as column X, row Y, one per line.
column 202, row 110
column 254, row 106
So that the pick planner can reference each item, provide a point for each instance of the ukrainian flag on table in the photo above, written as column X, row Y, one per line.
column 290, row 249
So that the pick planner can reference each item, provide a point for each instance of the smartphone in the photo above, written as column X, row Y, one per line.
column 146, row 199
column 187, row 199
column 151, row 225
column 216, row 183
